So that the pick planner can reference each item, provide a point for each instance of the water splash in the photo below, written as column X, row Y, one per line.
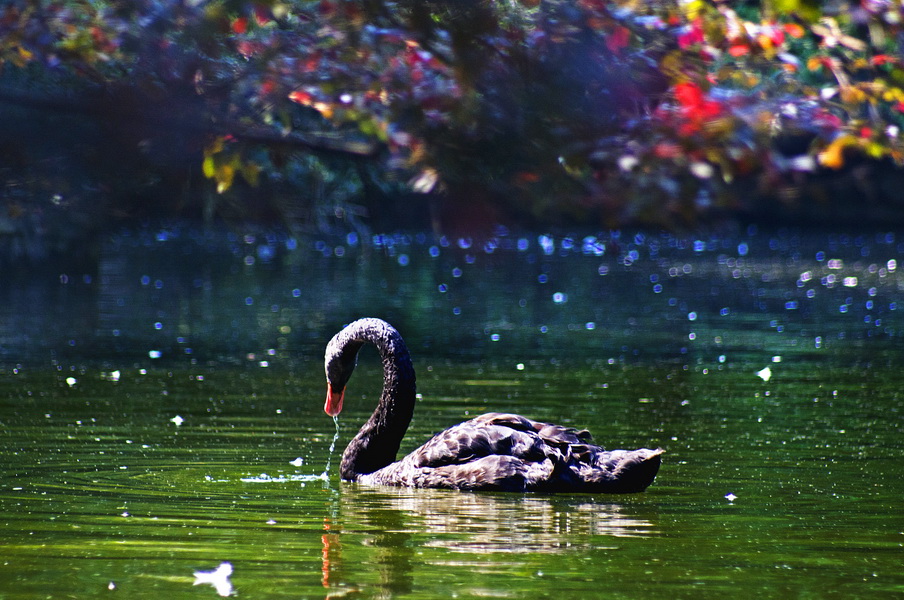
column 264, row 478
column 329, row 457
column 325, row 476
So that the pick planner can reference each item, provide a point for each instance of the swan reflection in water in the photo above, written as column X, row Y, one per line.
column 387, row 528
column 497, row 523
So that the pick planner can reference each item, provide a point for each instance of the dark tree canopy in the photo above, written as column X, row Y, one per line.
column 597, row 112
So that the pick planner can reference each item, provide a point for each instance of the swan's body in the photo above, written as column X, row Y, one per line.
column 495, row 451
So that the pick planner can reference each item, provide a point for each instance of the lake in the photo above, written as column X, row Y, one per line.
column 162, row 415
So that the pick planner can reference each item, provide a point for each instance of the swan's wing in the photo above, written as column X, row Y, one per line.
column 494, row 472
column 568, row 460
column 488, row 435
column 548, row 431
column 509, row 452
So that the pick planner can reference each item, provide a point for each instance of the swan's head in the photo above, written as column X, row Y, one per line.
column 339, row 362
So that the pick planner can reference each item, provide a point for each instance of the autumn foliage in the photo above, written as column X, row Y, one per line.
column 588, row 111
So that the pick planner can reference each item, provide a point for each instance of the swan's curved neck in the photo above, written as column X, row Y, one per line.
column 378, row 441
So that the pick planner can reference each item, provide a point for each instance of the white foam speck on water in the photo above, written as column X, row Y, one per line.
column 218, row 578
column 264, row 478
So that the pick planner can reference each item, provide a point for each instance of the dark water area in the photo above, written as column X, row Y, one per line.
column 161, row 414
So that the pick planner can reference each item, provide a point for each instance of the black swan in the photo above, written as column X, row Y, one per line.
column 495, row 451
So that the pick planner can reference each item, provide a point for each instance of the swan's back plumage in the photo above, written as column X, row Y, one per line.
column 495, row 451
column 499, row 451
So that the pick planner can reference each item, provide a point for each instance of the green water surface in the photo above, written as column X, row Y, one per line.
column 157, row 421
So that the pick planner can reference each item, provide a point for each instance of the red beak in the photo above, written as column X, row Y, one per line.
column 334, row 398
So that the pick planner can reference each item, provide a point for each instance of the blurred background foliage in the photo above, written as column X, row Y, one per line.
column 448, row 114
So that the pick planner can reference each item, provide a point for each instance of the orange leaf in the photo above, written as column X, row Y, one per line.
column 794, row 30
column 833, row 156
column 816, row 62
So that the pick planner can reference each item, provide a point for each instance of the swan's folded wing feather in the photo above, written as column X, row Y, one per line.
column 475, row 439
column 495, row 472
column 550, row 431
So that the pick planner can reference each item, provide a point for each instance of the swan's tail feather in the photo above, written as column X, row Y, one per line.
column 633, row 470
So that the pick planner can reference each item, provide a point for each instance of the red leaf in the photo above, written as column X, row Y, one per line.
column 667, row 150
column 262, row 15
column 300, row 97
column 882, row 59
column 692, row 35
column 618, row 39
column 240, row 25
column 688, row 94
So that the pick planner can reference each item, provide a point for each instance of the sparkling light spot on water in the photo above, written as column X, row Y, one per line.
column 547, row 244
